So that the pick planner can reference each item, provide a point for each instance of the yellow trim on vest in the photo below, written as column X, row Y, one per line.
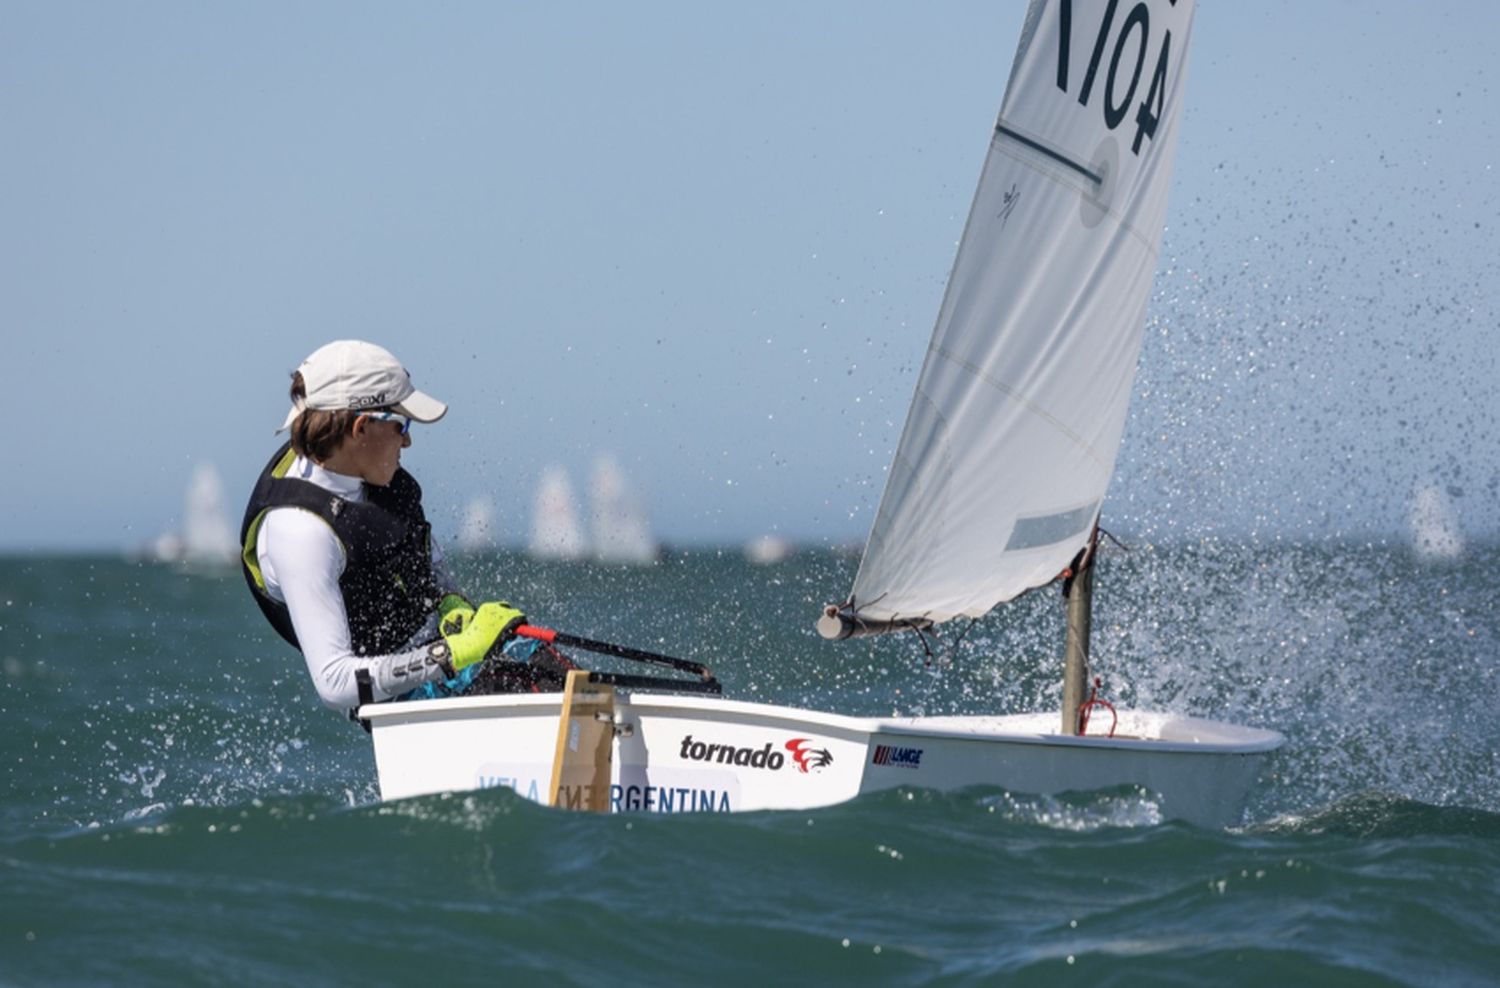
column 248, row 553
column 249, row 556
column 284, row 464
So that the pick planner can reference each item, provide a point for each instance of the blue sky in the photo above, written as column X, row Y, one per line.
column 711, row 241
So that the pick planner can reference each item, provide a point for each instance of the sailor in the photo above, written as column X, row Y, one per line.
column 338, row 552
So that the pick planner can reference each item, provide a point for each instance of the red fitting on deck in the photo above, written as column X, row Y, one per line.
column 1093, row 701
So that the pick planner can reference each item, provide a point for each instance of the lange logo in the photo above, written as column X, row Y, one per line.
column 897, row 757
column 806, row 757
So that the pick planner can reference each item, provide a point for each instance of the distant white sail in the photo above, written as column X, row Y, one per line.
column 768, row 549
column 208, row 538
column 1434, row 524
column 1013, row 432
column 556, row 532
column 617, row 518
column 478, row 530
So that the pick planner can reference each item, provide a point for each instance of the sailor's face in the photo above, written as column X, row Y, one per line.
column 381, row 443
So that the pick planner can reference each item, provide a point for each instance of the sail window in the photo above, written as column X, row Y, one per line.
column 1040, row 530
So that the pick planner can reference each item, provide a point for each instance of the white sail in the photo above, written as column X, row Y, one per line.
column 556, row 532
column 617, row 518
column 478, row 529
column 208, row 538
column 1012, row 435
column 769, row 549
column 1434, row 523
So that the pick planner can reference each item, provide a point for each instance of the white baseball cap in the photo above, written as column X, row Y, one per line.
column 352, row 374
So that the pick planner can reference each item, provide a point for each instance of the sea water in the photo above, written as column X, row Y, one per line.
column 176, row 808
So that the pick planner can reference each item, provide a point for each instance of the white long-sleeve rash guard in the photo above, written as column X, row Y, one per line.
column 301, row 560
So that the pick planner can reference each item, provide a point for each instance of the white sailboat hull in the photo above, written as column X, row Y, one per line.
column 687, row 753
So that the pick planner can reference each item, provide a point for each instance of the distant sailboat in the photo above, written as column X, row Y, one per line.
column 556, row 532
column 1434, row 524
column 206, row 540
column 617, row 518
column 768, row 549
column 478, row 528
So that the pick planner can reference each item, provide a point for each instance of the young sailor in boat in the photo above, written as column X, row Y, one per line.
column 339, row 555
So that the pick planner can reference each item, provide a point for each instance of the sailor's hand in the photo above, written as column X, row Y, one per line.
column 483, row 634
column 454, row 614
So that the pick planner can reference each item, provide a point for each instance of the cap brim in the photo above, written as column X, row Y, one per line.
column 290, row 418
column 422, row 407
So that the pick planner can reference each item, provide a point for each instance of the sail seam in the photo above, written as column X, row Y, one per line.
column 1020, row 399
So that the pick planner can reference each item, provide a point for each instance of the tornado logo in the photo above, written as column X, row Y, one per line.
column 808, row 758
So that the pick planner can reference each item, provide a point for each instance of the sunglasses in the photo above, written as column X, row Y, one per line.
column 391, row 417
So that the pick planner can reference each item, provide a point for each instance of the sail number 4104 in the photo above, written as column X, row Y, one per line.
column 1136, row 27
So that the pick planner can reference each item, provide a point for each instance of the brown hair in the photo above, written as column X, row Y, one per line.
column 317, row 433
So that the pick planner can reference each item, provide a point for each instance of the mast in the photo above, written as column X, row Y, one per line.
column 1078, row 590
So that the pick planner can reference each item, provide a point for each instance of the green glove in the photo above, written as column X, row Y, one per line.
column 454, row 613
column 482, row 635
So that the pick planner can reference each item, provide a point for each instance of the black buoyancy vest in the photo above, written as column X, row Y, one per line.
column 388, row 585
